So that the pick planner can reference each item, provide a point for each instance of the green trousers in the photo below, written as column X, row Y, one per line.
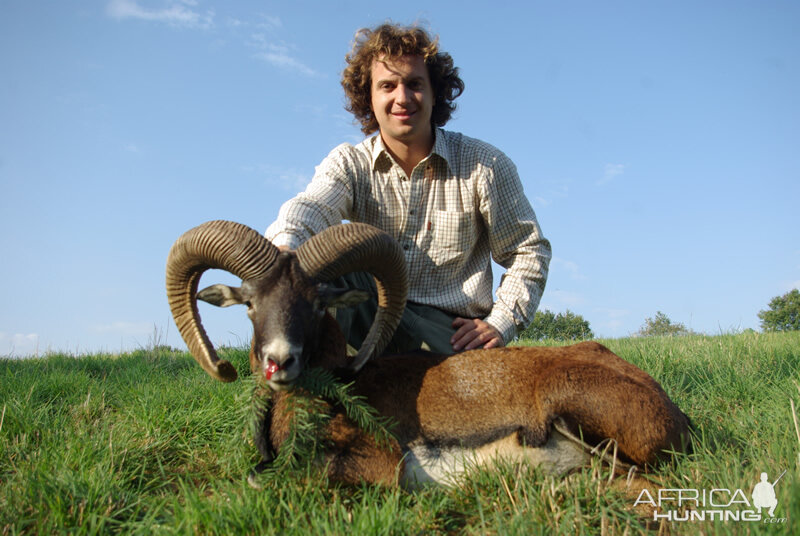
column 422, row 327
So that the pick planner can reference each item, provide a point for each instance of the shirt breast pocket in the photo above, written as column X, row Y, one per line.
column 452, row 236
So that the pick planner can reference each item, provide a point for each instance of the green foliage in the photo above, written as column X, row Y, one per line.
column 322, row 383
column 305, row 441
column 565, row 326
column 783, row 313
column 662, row 326
column 309, row 416
column 147, row 443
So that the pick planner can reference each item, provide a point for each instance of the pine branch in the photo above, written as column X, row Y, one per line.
column 323, row 383
column 309, row 415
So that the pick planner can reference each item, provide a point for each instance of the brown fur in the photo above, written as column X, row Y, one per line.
column 468, row 400
column 354, row 455
column 476, row 397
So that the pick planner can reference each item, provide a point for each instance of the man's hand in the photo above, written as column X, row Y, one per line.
column 474, row 333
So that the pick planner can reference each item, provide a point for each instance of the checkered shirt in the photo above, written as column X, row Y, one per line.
column 461, row 205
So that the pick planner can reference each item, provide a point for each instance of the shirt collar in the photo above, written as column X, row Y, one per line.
column 440, row 149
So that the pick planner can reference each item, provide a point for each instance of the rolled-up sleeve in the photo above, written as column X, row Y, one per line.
column 326, row 201
column 517, row 244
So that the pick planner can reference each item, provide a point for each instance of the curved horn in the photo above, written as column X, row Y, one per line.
column 225, row 245
column 360, row 247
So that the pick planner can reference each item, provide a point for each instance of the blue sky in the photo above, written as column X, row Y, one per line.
column 658, row 142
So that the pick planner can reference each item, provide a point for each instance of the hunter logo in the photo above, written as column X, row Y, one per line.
column 718, row 504
column 764, row 495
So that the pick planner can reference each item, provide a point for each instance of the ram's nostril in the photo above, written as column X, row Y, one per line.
column 289, row 362
column 272, row 368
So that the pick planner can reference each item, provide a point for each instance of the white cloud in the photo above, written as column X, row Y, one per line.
column 541, row 202
column 288, row 179
column 568, row 266
column 172, row 12
column 280, row 58
column 292, row 180
column 19, row 344
column 267, row 22
column 611, row 172
column 554, row 190
column 270, row 22
column 184, row 13
column 612, row 320
column 278, row 55
column 353, row 138
column 559, row 300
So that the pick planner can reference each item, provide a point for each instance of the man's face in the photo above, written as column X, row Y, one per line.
column 402, row 99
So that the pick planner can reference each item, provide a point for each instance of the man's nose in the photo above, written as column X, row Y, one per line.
column 403, row 94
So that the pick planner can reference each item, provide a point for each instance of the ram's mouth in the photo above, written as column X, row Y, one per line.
column 280, row 378
column 280, row 385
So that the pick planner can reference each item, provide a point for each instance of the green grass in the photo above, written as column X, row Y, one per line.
column 147, row 443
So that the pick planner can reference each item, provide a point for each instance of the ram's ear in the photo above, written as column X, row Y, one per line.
column 221, row 295
column 341, row 297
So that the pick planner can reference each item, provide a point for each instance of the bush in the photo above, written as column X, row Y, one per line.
column 783, row 313
column 560, row 327
column 662, row 326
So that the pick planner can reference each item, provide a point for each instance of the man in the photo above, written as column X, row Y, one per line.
column 452, row 202
column 764, row 495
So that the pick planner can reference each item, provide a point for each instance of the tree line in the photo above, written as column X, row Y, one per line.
column 782, row 314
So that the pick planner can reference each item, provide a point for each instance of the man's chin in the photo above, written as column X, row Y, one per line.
column 406, row 133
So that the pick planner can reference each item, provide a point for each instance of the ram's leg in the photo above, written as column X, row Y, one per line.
column 261, row 438
column 356, row 457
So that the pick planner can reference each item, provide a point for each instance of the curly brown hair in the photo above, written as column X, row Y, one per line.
column 393, row 41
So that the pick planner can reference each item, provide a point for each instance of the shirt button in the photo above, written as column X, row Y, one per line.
column 406, row 247
column 412, row 211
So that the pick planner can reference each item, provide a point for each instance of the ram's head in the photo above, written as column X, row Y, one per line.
column 286, row 294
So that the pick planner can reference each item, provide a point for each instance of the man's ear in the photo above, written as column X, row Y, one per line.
column 341, row 297
column 221, row 295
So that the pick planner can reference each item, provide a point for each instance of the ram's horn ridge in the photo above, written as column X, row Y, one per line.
column 359, row 247
column 223, row 245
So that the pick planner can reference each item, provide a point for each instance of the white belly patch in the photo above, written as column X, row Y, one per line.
column 424, row 464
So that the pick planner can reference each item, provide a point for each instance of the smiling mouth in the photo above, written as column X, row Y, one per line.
column 403, row 114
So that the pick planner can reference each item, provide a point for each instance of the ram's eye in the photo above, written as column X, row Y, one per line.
column 248, row 304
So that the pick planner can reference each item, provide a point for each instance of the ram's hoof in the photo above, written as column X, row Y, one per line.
column 252, row 481
column 252, row 478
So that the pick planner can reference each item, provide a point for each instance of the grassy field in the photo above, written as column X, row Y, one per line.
column 147, row 443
